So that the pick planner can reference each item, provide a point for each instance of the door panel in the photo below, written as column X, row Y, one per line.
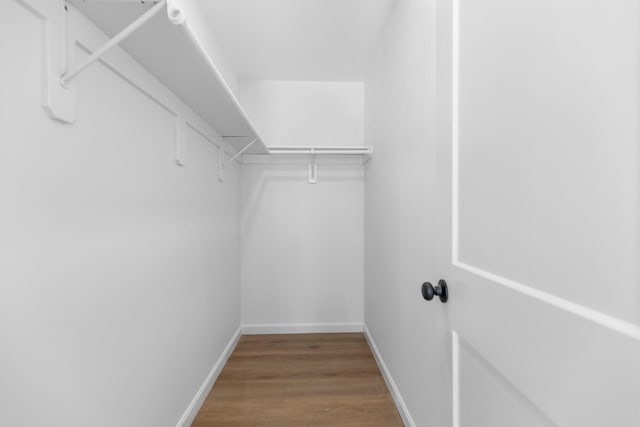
column 478, row 377
column 538, row 160
column 548, row 146
column 578, row 372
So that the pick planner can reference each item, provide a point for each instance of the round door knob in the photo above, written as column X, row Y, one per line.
column 441, row 290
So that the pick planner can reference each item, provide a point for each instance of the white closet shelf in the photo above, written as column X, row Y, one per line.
column 176, row 47
column 173, row 41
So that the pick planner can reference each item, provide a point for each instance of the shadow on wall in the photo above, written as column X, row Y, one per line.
column 254, row 188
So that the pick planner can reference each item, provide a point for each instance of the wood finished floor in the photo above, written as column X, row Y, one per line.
column 300, row 380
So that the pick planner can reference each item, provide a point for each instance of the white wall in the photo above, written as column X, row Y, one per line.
column 305, row 113
column 400, row 214
column 119, row 271
column 302, row 244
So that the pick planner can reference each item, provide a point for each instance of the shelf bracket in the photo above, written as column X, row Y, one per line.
column 222, row 164
column 60, row 104
column 313, row 168
column 69, row 76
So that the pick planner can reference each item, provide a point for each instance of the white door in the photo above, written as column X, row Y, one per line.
column 539, row 169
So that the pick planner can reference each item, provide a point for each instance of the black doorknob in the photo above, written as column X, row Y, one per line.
column 441, row 290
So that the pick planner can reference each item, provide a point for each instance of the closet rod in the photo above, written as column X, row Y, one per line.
column 117, row 39
column 321, row 150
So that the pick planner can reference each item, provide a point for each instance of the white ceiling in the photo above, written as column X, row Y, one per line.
column 299, row 39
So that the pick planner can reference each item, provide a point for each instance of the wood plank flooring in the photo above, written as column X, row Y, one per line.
column 300, row 380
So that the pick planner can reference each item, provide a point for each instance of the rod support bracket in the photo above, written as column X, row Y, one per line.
column 313, row 168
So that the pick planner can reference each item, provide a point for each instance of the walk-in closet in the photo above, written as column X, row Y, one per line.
column 320, row 213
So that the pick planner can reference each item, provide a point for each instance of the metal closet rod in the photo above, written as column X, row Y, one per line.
column 320, row 150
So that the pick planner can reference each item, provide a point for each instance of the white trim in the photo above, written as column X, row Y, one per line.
column 391, row 385
column 455, row 124
column 301, row 328
column 455, row 378
column 195, row 405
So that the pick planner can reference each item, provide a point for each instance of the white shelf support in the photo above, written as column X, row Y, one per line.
column 222, row 164
column 313, row 168
column 68, row 77
column 59, row 103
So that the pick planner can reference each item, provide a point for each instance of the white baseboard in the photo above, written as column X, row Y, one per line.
column 193, row 408
column 393, row 389
column 301, row 328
